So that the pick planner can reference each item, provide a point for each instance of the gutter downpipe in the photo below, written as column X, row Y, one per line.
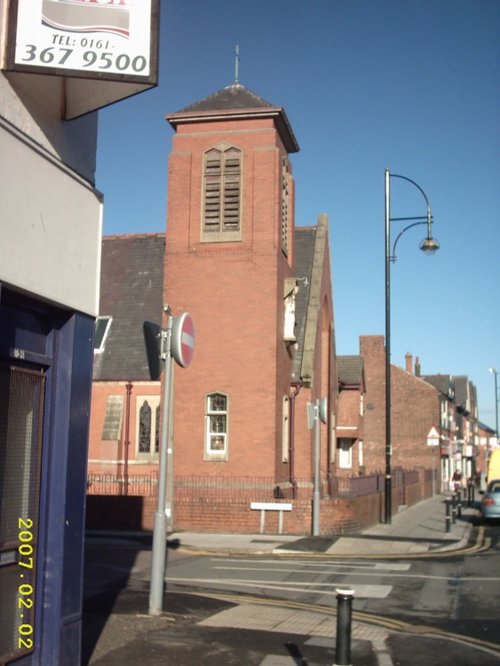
column 126, row 443
column 291, row 450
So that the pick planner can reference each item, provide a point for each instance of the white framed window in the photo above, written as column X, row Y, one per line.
column 147, row 426
column 361, row 460
column 345, row 446
column 333, row 437
column 444, row 414
column 216, row 426
column 285, row 433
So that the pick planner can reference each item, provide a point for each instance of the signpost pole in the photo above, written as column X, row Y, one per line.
column 433, row 439
column 434, row 473
column 316, row 493
column 160, row 520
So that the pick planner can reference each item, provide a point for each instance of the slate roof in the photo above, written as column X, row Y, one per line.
column 465, row 393
column 350, row 370
column 236, row 101
column 131, row 292
column 304, row 240
column 234, row 96
column 464, row 390
column 441, row 382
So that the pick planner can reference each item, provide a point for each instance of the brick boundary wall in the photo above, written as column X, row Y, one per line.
column 338, row 516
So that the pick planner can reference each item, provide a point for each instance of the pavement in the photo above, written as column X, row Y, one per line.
column 209, row 628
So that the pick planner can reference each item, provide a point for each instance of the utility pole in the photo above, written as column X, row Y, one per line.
column 175, row 342
column 316, row 412
column 160, row 520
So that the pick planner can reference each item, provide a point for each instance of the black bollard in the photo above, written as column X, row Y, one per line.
column 454, row 508
column 344, row 615
column 459, row 504
column 448, row 515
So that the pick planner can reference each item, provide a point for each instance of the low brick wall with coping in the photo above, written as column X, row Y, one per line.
column 227, row 512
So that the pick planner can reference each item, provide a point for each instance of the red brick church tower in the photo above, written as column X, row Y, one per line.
column 229, row 258
column 242, row 456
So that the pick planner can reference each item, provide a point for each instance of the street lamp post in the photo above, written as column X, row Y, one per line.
column 429, row 245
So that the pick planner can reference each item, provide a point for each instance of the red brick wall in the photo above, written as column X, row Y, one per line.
column 229, row 514
column 234, row 291
column 415, row 409
column 372, row 350
column 106, row 456
column 337, row 515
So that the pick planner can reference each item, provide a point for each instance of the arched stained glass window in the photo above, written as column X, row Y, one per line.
column 145, row 428
column 157, row 429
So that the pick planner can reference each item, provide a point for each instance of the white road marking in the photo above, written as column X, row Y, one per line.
column 382, row 566
column 465, row 579
column 361, row 591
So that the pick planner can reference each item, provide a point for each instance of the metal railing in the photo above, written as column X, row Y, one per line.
column 356, row 486
column 248, row 487
column 226, row 486
column 119, row 484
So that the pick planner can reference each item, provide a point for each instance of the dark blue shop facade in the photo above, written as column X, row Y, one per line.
column 45, row 375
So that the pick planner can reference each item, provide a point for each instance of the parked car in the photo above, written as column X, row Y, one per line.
column 490, row 503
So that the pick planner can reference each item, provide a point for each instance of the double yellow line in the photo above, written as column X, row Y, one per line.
column 357, row 616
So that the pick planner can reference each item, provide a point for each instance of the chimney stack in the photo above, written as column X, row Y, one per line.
column 417, row 367
column 409, row 362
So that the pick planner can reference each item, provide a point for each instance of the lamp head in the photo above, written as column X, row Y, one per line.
column 429, row 245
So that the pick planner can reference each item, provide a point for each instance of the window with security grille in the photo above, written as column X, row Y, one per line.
column 216, row 425
column 222, row 194
column 112, row 426
column 21, row 434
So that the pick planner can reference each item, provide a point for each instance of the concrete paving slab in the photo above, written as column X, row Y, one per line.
column 367, row 546
column 321, row 627
column 276, row 660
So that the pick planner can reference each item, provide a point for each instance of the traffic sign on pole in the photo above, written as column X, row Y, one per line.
column 174, row 342
column 323, row 410
column 433, row 437
column 183, row 339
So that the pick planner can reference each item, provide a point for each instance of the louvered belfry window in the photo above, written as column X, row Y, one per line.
column 222, row 194
column 285, row 202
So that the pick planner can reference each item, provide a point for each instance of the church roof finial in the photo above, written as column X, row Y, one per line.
column 236, row 62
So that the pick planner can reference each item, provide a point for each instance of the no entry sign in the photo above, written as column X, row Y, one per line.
column 183, row 339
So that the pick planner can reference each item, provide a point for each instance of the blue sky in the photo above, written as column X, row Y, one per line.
column 409, row 85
